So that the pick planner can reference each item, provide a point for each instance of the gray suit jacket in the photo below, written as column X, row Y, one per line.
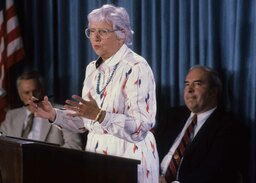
column 13, row 125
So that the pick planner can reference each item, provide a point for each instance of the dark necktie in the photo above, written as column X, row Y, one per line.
column 29, row 125
column 174, row 164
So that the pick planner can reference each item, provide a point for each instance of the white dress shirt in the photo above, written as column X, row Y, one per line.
column 201, row 118
column 35, row 132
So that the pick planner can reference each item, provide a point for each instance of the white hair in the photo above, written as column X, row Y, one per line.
column 117, row 16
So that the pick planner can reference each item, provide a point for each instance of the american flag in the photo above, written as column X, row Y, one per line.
column 11, row 47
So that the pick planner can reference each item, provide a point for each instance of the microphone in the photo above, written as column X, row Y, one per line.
column 40, row 99
column 2, row 92
column 2, row 133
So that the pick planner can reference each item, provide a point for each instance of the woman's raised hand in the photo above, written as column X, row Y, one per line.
column 42, row 108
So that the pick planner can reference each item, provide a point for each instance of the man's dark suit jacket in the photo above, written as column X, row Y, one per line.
column 217, row 154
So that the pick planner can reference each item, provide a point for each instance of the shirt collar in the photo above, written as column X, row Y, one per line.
column 28, row 112
column 203, row 116
column 114, row 59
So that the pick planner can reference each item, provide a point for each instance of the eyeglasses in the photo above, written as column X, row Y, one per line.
column 104, row 33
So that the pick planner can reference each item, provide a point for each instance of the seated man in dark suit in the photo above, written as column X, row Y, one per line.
column 212, row 150
column 20, row 122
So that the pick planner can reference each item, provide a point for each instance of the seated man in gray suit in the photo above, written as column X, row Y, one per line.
column 20, row 122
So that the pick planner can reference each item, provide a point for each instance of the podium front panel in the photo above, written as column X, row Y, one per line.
column 23, row 161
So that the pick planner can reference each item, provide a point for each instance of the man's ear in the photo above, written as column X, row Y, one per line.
column 215, row 92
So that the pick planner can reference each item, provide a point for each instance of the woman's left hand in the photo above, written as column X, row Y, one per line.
column 88, row 109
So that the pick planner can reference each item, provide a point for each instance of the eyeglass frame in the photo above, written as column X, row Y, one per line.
column 87, row 32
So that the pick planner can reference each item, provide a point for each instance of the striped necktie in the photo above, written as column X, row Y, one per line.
column 29, row 125
column 171, row 173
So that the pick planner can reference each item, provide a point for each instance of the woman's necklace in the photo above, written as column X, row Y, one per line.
column 98, row 90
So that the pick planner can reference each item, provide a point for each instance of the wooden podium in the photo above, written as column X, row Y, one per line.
column 26, row 161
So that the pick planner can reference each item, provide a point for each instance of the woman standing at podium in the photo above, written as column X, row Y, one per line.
column 118, row 104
